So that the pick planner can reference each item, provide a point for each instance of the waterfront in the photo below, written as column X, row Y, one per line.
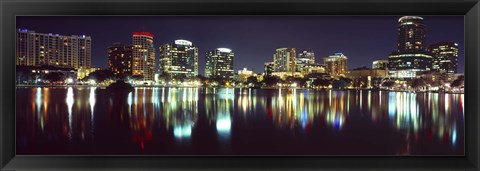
column 228, row 121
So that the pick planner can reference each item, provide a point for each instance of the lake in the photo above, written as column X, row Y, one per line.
column 235, row 121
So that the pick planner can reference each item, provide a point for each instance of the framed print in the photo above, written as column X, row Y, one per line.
column 239, row 85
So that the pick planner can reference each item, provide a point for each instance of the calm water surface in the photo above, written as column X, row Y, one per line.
column 227, row 121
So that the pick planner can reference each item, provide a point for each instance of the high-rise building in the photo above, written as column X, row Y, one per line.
column 179, row 58
column 120, row 59
column 445, row 57
column 411, row 34
column 41, row 49
column 336, row 65
column 219, row 63
column 268, row 69
column 304, row 59
column 284, row 60
column 143, row 56
column 380, row 64
column 411, row 56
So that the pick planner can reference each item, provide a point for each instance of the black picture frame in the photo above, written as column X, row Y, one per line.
column 11, row 8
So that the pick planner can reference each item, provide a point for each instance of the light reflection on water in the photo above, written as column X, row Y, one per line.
column 182, row 112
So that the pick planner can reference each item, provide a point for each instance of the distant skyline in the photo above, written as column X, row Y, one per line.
column 253, row 39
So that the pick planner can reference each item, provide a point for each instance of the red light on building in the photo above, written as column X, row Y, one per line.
column 143, row 34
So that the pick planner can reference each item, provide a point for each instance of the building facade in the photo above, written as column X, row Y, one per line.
column 284, row 60
column 244, row 74
column 143, row 56
column 268, row 69
column 314, row 69
column 411, row 33
column 179, row 58
column 41, row 49
column 411, row 56
column 336, row 64
column 120, row 59
column 366, row 77
column 304, row 59
column 445, row 57
column 219, row 63
column 380, row 64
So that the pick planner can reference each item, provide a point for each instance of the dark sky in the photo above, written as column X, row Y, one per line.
column 253, row 39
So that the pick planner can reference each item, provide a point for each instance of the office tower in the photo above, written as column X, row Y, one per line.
column 143, row 56
column 445, row 57
column 336, row 65
column 380, row 64
column 179, row 58
column 219, row 63
column 120, row 59
column 411, row 56
column 304, row 59
column 268, row 69
column 41, row 49
column 411, row 33
column 284, row 60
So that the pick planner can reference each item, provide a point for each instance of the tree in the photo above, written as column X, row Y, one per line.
column 388, row 84
column 54, row 77
column 270, row 81
column 459, row 81
column 101, row 75
column 418, row 83
column 339, row 84
column 252, row 80
column 322, row 82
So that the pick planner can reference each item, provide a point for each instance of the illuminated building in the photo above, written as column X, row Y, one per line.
column 120, row 59
column 411, row 56
column 366, row 77
column 143, row 56
column 411, row 33
column 336, row 65
column 305, row 58
column 445, row 57
column 244, row 74
column 314, row 68
column 380, row 64
column 268, row 69
column 284, row 60
column 179, row 58
column 219, row 63
column 40, row 49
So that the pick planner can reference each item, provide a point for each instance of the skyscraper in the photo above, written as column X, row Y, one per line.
column 305, row 58
column 40, row 49
column 219, row 63
column 284, row 60
column 268, row 69
column 445, row 57
column 336, row 65
column 411, row 34
column 120, row 59
column 179, row 58
column 411, row 56
column 143, row 55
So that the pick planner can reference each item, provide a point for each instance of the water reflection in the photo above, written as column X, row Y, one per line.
column 147, row 114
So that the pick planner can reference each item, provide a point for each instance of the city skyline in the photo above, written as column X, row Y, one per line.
column 351, row 36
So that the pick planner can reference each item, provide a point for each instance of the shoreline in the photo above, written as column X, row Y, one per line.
column 265, row 88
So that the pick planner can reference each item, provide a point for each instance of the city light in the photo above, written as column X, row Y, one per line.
column 69, row 80
column 282, row 96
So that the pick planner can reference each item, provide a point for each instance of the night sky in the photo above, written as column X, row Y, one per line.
column 253, row 39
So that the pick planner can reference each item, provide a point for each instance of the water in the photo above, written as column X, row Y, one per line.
column 227, row 121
